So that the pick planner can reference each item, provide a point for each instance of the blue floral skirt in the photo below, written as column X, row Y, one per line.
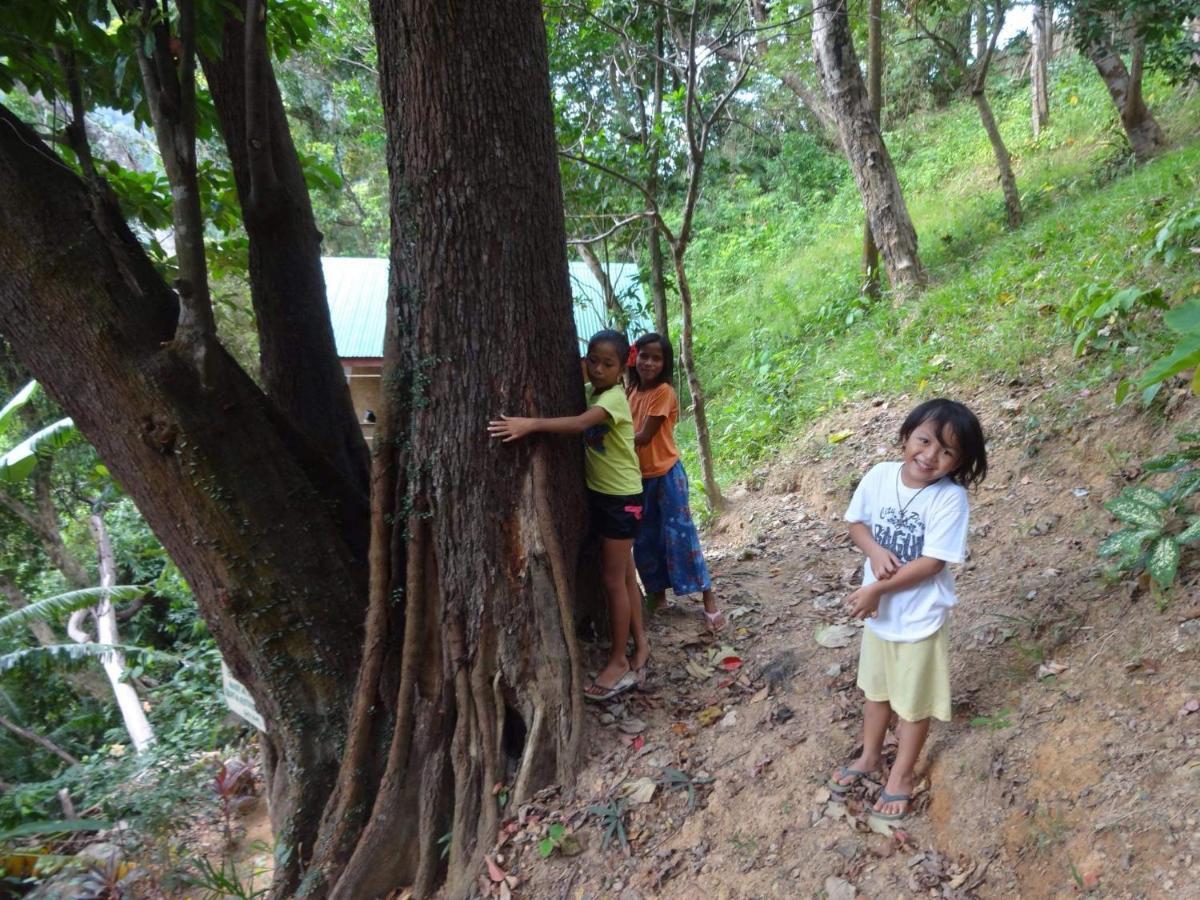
column 667, row 549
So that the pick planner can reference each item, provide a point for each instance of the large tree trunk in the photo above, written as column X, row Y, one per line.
column 486, row 689
column 1124, row 85
column 1042, row 29
column 238, row 497
column 873, row 170
column 875, row 98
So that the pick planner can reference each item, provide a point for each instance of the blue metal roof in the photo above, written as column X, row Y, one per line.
column 357, row 291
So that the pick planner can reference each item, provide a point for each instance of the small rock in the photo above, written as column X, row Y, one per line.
column 749, row 553
column 881, row 846
column 632, row 725
column 607, row 718
column 729, row 721
column 834, row 671
column 839, row 889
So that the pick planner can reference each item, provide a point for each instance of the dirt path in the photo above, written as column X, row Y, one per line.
column 1085, row 780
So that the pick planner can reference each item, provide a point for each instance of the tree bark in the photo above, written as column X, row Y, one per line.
column 1039, row 70
column 816, row 104
column 487, row 685
column 875, row 98
column 300, row 368
column 873, row 170
column 237, row 496
column 1124, row 85
column 712, row 489
column 658, row 281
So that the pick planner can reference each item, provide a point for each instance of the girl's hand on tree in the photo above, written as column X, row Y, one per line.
column 510, row 428
column 864, row 603
column 884, row 563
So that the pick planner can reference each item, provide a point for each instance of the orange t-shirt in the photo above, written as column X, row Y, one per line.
column 657, row 457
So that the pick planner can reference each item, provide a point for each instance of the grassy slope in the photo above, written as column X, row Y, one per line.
column 782, row 332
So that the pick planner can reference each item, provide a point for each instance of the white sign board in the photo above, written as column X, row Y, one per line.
column 238, row 699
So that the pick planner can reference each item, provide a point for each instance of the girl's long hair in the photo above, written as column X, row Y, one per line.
column 667, row 375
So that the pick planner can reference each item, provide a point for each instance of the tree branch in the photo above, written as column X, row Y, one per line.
column 43, row 742
column 617, row 226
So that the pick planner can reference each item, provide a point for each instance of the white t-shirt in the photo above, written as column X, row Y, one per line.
column 912, row 522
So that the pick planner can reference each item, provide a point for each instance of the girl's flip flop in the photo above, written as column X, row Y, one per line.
column 885, row 797
column 843, row 787
column 601, row 694
column 714, row 620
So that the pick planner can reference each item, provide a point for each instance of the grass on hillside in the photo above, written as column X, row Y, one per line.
column 783, row 334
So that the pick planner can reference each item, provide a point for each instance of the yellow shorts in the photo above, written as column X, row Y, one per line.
column 913, row 678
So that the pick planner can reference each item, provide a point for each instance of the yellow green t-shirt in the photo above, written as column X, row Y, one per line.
column 610, row 463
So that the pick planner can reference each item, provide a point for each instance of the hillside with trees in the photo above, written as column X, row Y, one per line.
column 837, row 210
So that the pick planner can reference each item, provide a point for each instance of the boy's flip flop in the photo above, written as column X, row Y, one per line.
column 885, row 797
column 601, row 694
column 842, row 787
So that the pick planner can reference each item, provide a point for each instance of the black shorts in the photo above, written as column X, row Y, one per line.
column 614, row 517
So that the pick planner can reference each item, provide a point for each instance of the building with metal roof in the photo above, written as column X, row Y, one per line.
column 357, row 291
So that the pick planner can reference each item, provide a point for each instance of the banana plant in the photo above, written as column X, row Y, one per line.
column 19, row 461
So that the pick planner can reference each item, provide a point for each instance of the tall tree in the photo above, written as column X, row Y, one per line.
column 1042, row 50
column 873, row 170
column 870, row 262
column 409, row 655
column 982, row 65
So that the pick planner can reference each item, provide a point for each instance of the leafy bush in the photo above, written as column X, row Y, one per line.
column 1101, row 316
column 1158, row 524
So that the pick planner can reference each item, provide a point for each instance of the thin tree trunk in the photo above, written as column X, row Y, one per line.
column 1145, row 136
column 44, row 742
column 1039, row 85
column 132, row 714
column 816, row 104
column 1008, row 181
column 981, row 30
column 712, row 490
column 872, row 166
column 658, row 283
column 614, row 309
column 875, row 98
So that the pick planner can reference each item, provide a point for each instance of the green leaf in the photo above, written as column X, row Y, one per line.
column 1189, row 534
column 1134, row 512
column 29, row 829
column 75, row 654
column 1122, row 392
column 1164, row 463
column 545, row 847
column 1184, row 318
column 50, row 608
column 19, row 399
column 1147, row 496
column 1126, row 542
column 1185, row 486
column 1163, row 561
column 17, row 463
column 1184, row 356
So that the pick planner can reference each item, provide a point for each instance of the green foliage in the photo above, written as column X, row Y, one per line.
column 1101, row 316
column 556, row 836
column 50, row 608
column 611, row 814
column 1159, row 524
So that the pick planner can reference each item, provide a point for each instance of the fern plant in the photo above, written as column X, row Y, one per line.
column 1159, row 524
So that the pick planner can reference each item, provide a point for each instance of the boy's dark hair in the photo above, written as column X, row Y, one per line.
column 619, row 342
column 667, row 375
column 949, row 414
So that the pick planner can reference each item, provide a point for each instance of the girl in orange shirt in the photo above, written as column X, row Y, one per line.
column 667, row 548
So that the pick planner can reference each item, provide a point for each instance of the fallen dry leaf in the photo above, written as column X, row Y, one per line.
column 710, row 716
column 760, row 695
column 639, row 791
column 697, row 671
column 1050, row 669
column 730, row 663
column 682, row 729
column 494, row 871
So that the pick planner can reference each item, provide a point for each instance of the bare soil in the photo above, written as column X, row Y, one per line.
column 1081, row 781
